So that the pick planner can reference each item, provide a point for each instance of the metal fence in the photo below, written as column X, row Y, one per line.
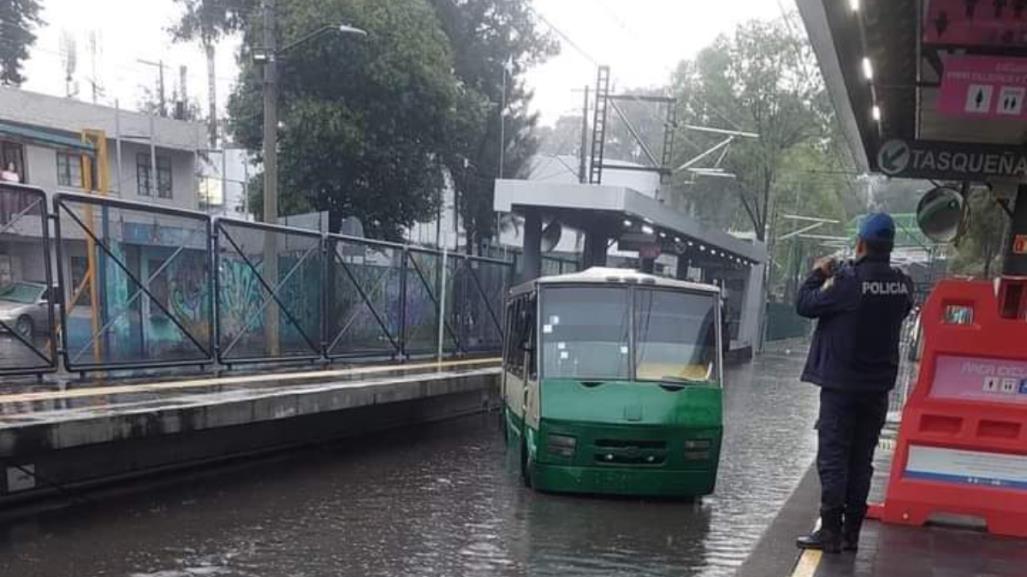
column 27, row 317
column 909, row 367
column 136, row 280
column 140, row 286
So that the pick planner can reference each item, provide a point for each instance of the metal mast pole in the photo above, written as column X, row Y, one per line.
column 163, row 100
column 270, row 170
column 502, row 126
column 270, row 116
column 583, row 168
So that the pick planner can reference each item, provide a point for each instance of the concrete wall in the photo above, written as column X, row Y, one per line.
column 752, row 318
column 85, row 447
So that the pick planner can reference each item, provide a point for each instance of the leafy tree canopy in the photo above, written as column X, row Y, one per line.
column 18, row 21
column 493, row 42
column 362, row 119
column 208, row 20
column 763, row 79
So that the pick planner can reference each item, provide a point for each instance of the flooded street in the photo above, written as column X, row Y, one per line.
column 439, row 500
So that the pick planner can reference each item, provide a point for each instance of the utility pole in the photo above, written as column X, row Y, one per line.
column 212, row 101
column 270, row 116
column 583, row 167
column 502, row 125
column 163, row 98
column 182, row 106
column 94, row 81
column 271, row 170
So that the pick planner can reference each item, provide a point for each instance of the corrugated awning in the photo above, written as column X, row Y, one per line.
column 43, row 137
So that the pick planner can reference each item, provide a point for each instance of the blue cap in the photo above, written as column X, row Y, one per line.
column 877, row 226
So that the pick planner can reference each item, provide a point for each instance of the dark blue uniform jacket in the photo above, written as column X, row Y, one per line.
column 859, row 316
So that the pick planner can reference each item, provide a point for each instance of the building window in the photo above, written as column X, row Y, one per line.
column 145, row 183
column 79, row 267
column 69, row 170
column 12, row 159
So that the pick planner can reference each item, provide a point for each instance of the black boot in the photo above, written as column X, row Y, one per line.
column 828, row 538
column 850, row 530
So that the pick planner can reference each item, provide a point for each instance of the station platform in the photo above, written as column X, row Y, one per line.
column 59, row 438
column 884, row 550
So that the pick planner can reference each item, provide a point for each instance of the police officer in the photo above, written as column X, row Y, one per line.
column 854, row 359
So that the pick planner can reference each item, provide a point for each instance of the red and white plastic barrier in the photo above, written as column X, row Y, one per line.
column 962, row 446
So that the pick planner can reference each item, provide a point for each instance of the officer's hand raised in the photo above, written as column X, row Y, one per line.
column 826, row 266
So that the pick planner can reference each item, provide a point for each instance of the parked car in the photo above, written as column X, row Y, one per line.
column 24, row 307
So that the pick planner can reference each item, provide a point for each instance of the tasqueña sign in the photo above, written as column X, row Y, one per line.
column 951, row 160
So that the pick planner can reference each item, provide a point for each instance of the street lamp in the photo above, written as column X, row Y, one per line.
column 269, row 58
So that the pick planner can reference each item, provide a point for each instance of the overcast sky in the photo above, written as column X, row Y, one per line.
column 642, row 41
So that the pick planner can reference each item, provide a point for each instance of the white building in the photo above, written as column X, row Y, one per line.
column 223, row 184
column 41, row 137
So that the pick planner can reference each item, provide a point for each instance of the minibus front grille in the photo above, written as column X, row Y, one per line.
column 630, row 452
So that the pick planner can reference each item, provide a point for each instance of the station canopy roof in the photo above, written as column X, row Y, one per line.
column 624, row 211
column 927, row 88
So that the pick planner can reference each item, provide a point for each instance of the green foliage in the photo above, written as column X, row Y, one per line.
column 898, row 195
column 370, row 127
column 648, row 120
column 18, row 21
column 979, row 251
column 490, row 40
column 561, row 139
column 209, row 20
column 809, row 185
column 763, row 79
column 363, row 119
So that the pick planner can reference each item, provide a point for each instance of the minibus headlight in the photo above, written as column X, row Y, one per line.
column 562, row 445
column 698, row 449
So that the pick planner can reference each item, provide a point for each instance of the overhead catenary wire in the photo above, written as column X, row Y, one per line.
column 596, row 62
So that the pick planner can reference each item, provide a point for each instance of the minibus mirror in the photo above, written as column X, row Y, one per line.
column 940, row 214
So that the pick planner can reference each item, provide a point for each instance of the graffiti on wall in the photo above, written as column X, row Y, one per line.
column 244, row 303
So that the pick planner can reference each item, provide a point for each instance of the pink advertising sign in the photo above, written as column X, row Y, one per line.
column 977, row 379
column 976, row 23
column 984, row 87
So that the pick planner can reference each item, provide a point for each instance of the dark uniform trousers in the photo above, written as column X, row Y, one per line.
column 848, row 429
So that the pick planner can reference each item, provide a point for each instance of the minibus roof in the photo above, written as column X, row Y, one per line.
column 607, row 276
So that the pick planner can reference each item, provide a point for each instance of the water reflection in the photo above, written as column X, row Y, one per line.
column 440, row 500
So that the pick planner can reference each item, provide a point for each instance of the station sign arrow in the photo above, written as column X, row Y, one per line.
column 893, row 157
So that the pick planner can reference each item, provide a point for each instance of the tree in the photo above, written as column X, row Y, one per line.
column 897, row 195
column 363, row 121
column 493, row 43
column 812, row 182
column 647, row 119
column 18, row 20
column 979, row 252
column 763, row 80
column 561, row 139
column 207, row 21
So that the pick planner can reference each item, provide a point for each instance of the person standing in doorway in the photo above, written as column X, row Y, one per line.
column 854, row 359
